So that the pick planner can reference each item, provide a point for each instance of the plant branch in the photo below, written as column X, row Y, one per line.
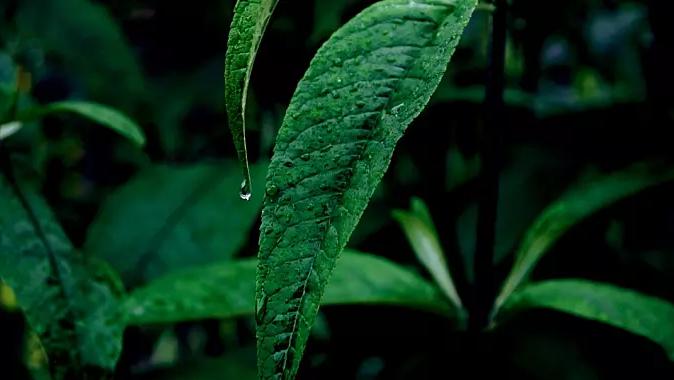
column 491, row 152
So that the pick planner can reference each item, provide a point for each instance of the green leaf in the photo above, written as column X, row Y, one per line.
column 98, row 113
column 361, row 91
column 169, row 217
column 637, row 313
column 226, row 289
column 88, row 43
column 248, row 25
column 8, row 84
column 74, row 313
column 423, row 238
column 577, row 204
column 8, row 129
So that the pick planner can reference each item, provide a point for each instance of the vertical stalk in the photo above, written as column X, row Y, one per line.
column 491, row 151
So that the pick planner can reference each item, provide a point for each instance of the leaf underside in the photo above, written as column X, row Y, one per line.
column 362, row 89
column 637, row 313
column 248, row 25
column 577, row 204
column 226, row 290
column 72, row 310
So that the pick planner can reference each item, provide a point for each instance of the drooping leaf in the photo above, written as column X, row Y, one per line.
column 248, row 25
column 170, row 217
column 361, row 91
column 86, row 40
column 423, row 238
column 71, row 310
column 577, row 204
column 98, row 113
column 637, row 313
column 225, row 290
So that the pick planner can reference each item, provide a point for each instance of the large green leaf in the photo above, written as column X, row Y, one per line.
column 577, row 204
column 86, row 40
column 99, row 113
column 423, row 238
column 225, row 290
column 248, row 25
column 169, row 217
column 626, row 309
column 73, row 309
column 361, row 91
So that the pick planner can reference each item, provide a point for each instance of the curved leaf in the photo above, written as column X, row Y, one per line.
column 577, row 204
column 422, row 236
column 362, row 89
column 248, row 25
column 72, row 310
column 225, row 290
column 98, row 113
column 637, row 313
column 195, row 219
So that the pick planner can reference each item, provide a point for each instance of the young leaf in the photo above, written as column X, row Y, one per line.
column 423, row 238
column 98, row 113
column 577, row 204
column 194, row 219
column 226, row 290
column 361, row 91
column 73, row 312
column 637, row 313
column 248, row 25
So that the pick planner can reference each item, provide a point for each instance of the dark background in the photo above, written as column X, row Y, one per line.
column 588, row 90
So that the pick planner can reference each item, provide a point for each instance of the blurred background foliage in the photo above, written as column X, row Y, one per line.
column 588, row 91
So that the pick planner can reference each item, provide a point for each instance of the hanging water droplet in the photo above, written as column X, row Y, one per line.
column 245, row 190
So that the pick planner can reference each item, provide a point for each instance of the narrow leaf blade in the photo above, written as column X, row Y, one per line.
column 361, row 91
column 98, row 113
column 226, row 290
column 577, row 204
column 426, row 246
column 248, row 25
column 637, row 313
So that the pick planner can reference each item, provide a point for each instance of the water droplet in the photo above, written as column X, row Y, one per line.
column 245, row 191
column 360, row 104
column 305, row 157
column 288, row 164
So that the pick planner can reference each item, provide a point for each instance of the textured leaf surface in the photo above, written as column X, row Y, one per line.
column 576, row 205
column 170, row 217
column 98, row 113
column 72, row 309
column 423, row 238
column 637, row 313
column 225, row 290
column 248, row 25
column 362, row 89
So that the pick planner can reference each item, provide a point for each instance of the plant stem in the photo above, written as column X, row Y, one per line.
column 491, row 151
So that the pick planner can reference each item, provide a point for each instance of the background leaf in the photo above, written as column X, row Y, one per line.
column 98, row 113
column 362, row 89
column 248, row 25
column 637, row 313
column 72, row 311
column 225, row 290
column 423, row 237
column 169, row 217
column 577, row 204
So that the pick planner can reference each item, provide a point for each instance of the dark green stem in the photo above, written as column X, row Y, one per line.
column 491, row 151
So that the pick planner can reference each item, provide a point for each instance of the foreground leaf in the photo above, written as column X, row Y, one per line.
column 72, row 311
column 576, row 205
column 423, row 238
column 361, row 91
column 248, row 25
column 169, row 217
column 98, row 113
column 226, row 290
column 637, row 313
